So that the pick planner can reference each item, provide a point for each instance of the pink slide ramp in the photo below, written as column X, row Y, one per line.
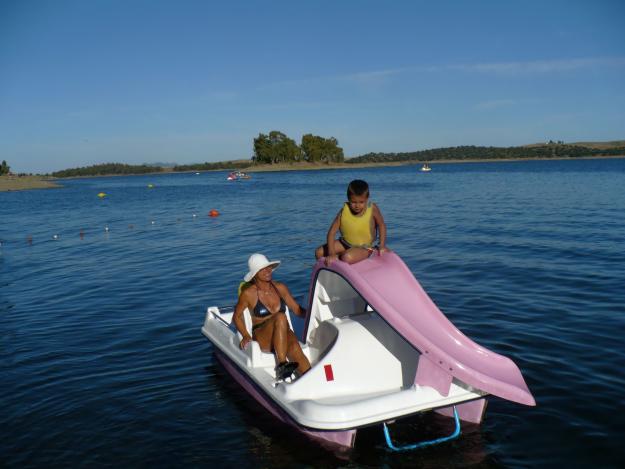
column 388, row 286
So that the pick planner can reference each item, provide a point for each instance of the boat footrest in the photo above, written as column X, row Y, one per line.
column 422, row 444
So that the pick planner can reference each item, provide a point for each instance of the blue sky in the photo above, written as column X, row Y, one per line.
column 86, row 82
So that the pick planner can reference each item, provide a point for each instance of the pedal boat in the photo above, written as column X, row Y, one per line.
column 380, row 349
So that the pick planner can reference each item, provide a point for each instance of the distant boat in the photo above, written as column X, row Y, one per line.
column 236, row 175
column 425, row 168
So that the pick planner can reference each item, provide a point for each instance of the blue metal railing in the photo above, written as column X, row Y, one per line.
column 422, row 444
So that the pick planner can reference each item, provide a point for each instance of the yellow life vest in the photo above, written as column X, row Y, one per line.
column 357, row 230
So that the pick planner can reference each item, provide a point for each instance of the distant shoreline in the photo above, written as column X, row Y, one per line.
column 14, row 183
column 25, row 183
column 312, row 167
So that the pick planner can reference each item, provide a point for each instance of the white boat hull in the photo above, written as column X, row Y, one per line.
column 345, row 388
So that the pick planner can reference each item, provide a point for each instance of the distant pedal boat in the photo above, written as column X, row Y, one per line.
column 380, row 349
column 236, row 175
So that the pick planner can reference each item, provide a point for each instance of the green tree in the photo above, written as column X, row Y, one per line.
column 262, row 149
column 275, row 148
column 4, row 168
column 317, row 149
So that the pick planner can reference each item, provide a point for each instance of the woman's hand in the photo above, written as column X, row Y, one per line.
column 331, row 258
column 244, row 341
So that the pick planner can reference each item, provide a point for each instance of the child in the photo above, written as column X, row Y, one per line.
column 358, row 222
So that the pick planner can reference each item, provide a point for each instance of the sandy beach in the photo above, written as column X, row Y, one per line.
column 15, row 183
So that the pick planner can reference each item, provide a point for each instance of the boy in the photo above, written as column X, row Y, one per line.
column 358, row 222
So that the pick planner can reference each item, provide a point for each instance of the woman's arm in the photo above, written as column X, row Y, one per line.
column 289, row 300
column 239, row 321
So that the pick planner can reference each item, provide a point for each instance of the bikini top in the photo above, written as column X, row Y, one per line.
column 261, row 311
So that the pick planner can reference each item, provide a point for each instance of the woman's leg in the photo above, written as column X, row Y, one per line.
column 276, row 336
column 272, row 336
column 295, row 353
column 280, row 334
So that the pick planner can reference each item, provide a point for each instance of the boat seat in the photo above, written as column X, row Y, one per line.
column 255, row 357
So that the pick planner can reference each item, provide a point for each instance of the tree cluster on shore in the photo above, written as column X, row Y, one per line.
column 278, row 148
column 551, row 150
column 107, row 169
column 4, row 168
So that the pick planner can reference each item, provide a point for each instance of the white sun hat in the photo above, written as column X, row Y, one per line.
column 258, row 262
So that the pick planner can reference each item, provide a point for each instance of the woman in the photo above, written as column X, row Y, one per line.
column 267, row 301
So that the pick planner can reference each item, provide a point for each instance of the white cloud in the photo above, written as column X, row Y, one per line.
column 379, row 77
column 372, row 77
column 541, row 66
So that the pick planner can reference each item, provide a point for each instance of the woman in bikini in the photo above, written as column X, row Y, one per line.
column 267, row 300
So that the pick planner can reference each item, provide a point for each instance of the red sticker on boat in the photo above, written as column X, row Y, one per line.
column 329, row 372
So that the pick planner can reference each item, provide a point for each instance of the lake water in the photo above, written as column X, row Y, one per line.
column 102, row 362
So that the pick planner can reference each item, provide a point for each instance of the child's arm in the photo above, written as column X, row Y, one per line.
column 379, row 221
column 334, row 228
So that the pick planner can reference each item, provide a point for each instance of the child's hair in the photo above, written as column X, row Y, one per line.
column 358, row 187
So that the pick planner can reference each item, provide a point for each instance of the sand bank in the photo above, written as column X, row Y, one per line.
column 15, row 183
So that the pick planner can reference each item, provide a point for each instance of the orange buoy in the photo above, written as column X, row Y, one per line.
column 213, row 213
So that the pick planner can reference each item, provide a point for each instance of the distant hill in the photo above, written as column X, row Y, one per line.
column 107, row 169
column 533, row 151
column 160, row 164
column 602, row 145
column 599, row 145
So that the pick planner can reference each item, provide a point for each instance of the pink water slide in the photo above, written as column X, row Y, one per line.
column 389, row 287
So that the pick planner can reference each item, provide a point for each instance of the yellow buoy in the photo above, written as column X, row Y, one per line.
column 150, row 186
column 101, row 194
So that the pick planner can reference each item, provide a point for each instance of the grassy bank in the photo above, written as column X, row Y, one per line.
column 22, row 183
